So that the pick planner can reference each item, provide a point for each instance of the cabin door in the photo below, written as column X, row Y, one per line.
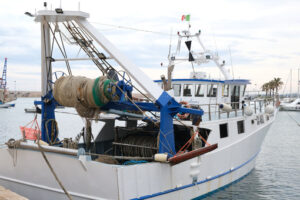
column 235, row 97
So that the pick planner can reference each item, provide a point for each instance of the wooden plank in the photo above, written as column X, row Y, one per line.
column 188, row 155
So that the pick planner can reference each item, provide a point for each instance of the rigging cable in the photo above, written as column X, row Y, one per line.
column 134, row 29
column 52, row 170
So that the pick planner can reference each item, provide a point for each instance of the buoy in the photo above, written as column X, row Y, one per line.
column 161, row 157
column 269, row 109
column 248, row 110
column 225, row 107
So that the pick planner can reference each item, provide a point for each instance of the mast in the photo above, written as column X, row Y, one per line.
column 298, row 83
column 46, row 69
column 199, row 57
column 291, row 84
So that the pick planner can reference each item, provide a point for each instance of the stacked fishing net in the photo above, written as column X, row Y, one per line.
column 86, row 95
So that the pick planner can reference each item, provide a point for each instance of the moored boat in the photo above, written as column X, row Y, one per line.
column 7, row 105
column 293, row 106
column 144, row 150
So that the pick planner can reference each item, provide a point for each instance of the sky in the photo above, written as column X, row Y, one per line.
column 258, row 39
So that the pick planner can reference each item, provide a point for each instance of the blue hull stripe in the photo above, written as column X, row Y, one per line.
column 197, row 183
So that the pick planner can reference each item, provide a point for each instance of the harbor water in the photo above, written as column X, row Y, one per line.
column 275, row 176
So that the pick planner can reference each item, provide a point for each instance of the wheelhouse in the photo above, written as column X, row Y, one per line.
column 209, row 91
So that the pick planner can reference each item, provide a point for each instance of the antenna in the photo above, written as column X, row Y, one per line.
column 170, row 44
column 194, row 74
column 231, row 63
column 78, row 5
column 60, row 3
column 291, row 84
column 298, row 83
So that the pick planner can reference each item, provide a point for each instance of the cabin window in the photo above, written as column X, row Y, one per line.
column 241, row 126
column 177, row 89
column 199, row 90
column 187, row 90
column 212, row 90
column 237, row 91
column 223, row 130
column 225, row 90
column 243, row 89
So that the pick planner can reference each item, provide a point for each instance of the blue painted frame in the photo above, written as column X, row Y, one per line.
column 48, row 105
column 168, row 108
column 165, row 104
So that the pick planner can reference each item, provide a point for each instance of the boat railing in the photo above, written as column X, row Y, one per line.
column 213, row 111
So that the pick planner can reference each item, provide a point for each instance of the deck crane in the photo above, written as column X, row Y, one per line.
column 75, row 22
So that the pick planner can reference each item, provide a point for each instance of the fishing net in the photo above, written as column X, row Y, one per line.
column 86, row 95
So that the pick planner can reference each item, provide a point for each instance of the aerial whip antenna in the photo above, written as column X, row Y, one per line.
column 170, row 44
column 231, row 62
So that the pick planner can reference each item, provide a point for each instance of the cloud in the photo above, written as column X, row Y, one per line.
column 263, row 36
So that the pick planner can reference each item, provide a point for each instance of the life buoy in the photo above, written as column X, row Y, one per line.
column 184, row 116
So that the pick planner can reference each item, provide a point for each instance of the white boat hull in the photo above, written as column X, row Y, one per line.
column 294, row 106
column 290, row 108
column 5, row 105
column 31, row 177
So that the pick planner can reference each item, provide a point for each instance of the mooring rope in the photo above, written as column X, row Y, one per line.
column 50, row 167
column 52, row 170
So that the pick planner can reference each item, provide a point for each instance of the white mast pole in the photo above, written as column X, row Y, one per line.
column 291, row 84
column 46, row 70
column 298, row 83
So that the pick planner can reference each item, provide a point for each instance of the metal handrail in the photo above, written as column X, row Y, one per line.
column 257, row 105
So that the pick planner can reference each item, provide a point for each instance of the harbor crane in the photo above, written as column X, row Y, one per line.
column 3, row 79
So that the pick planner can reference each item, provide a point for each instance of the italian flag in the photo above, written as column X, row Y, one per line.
column 185, row 18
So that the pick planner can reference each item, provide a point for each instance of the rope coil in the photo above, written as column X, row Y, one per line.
column 84, row 94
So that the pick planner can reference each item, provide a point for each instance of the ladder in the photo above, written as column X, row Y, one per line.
column 86, row 43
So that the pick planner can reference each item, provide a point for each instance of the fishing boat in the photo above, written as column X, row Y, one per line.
column 37, row 109
column 5, row 96
column 144, row 149
column 3, row 103
column 33, row 110
column 293, row 106
column 7, row 105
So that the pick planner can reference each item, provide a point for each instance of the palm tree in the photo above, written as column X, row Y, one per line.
column 272, row 87
column 277, row 83
column 265, row 87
